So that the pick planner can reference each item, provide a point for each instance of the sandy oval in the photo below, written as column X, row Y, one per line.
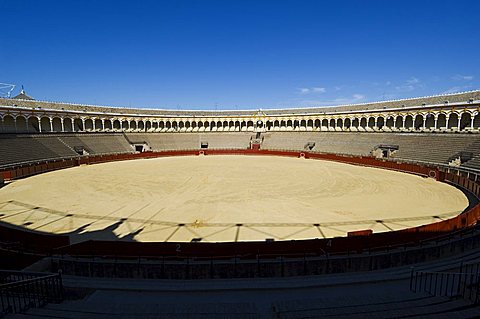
column 224, row 198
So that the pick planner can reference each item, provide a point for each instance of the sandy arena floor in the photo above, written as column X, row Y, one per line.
column 224, row 198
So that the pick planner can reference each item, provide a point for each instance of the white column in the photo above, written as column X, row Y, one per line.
column 472, row 118
column 436, row 122
column 63, row 125
column 83, row 125
column 103, row 125
column 403, row 122
column 51, row 124
column 39, row 125
column 424, row 122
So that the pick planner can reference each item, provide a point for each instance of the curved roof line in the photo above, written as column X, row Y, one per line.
column 256, row 109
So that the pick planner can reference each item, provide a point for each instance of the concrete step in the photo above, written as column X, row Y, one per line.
column 421, row 308
column 85, row 309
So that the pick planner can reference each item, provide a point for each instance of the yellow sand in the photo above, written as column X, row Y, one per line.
column 224, row 198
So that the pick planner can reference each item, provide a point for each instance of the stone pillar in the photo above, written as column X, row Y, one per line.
column 51, row 124
column 83, row 125
column 39, row 125
column 472, row 119
column 63, row 125
column 103, row 125
column 436, row 123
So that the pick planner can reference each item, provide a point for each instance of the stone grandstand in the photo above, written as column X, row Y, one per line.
column 441, row 149
column 411, row 128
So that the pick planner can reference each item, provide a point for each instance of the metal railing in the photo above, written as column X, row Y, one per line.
column 462, row 284
column 20, row 291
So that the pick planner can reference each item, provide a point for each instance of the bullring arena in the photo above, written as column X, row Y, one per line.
column 374, row 205
column 226, row 198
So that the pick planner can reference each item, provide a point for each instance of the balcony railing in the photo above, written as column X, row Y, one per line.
column 461, row 284
column 20, row 291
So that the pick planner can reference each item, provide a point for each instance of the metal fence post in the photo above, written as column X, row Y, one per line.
column 411, row 277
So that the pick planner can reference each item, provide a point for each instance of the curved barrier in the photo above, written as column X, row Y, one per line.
column 263, row 265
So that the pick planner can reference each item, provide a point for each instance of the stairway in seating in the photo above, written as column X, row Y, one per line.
column 474, row 162
column 68, row 146
column 256, row 140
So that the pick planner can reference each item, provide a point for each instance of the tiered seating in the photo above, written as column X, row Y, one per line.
column 284, row 140
column 474, row 163
column 20, row 149
column 176, row 141
column 167, row 141
column 227, row 140
column 331, row 142
column 97, row 144
column 55, row 145
column 431, row 148
column 435, row 148
column 354, row 144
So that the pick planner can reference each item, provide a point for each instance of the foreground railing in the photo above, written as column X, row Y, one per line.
column 462, row 284
column 285, row 263
column 20, row 291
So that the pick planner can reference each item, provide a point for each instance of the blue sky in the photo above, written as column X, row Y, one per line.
column 238, row 54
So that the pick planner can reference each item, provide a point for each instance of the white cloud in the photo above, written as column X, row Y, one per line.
column 456, row 89
column 409, row 85
column 412, row 81
column 318, row 90
column 355, row 98
column 304, row 90
column 459, row 77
